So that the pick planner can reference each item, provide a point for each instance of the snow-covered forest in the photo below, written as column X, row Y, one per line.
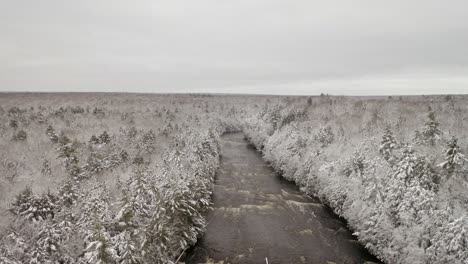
column 394, row 168
column 125, row 178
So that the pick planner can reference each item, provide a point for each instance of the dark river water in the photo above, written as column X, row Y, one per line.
column 258, row 217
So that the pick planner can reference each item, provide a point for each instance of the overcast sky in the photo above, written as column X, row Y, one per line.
column 237, row 46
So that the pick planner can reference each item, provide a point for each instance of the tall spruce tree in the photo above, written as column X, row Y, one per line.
column 409, row 191
column 388, row 145
column 50, row 132
column 431, row 130
column 99, row 250
column 449, row 243
column 454, row 159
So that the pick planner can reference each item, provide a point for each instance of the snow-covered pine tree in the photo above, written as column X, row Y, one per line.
column 450, row 243
column 418, row 138
column 68, row 193
column 388, row 145
column 51, row 134
column 431, row 131
column 104, row 138
column 395, row 190
column 94, row 140
column 93, row 222
column 356, row 164
column 410, row 189
column 20, row 136
column 63, row 139
column 157, row 237
column 148, row 141
column 94, row 208
column 94, row 163
column 454, row 159
column 132, row 132
column 123, row 155
column 127, row 248
column 419, row 199
column 325, row 136
column 46, row 170
column 67, row 151
column 34, row 207
column 75, row 172
column 112, row 160
column 22, row 201
column 47, row 248
column 372, row 182
column 425, row 175
column 372, row 228
column 42, row 207
column 273, row 116
column 141, row 194
column 127, row 242
column 138, row 159
column 12, row 248
column 13, row 124
column 184, row 212
column 98, row 249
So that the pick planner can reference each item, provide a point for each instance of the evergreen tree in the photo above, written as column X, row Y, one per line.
column 94, row 140
column 68, row 193
column 94, row 208
column 140, row 193
column 50, row 132
column 46, row 170
column 157, row 237
column 47, row 247
column 450, row 243
column 128, row 241
column 431, row 130
column 34, row 207
column 272, row 116
column 68, row 153
column 99, row 250
column 75, row 172
column 123, row 155
column 20, row 136
column 149, row 141
column 132, row 132
column 13, row 124
column 396, row 186
column 63, row 139
column 126, row 248
column 425, row 174
column 454, row 159
column 325, row 136
column 104, row 138
column 356, row 164
column 94, row 163
column 22, row 201
column 418, row 138
column 409, row 191
column 138, row 159
column 388, row 145
column 372, row 183
column 418, row 202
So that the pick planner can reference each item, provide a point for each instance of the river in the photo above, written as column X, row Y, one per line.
column 258, row 217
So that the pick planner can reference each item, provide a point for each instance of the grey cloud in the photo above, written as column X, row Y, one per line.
column 300, row 47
